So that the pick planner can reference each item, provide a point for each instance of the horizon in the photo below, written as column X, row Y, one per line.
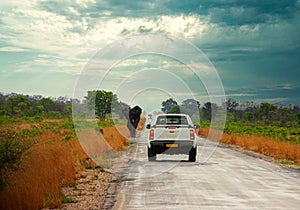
column 241, row 102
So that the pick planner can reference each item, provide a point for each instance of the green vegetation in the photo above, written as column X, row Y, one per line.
column 65, row 199
column 105, row 123
column 88, row 166
column 279, row 133
column 103, row 103
column 278, row 122
column 247, row 118
column 17, row 138
column 289, row 162
column 12, row 147
column 36, row 107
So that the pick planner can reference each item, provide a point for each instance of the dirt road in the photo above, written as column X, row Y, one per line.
column 228, row 180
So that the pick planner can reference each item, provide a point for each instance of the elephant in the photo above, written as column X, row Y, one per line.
column 133, row 116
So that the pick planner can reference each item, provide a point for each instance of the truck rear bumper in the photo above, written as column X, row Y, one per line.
column 171, row 146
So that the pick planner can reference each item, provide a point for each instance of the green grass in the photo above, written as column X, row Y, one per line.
column 88, row 166
column 67, row 124
column 105, row 124
column 67, row 138
column 290, row 134
column 34, row 131
column 289, row 162
column 65, row 199
column 280, row 133
column 71, row 185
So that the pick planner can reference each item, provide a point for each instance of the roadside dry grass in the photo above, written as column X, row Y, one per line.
column 279, row 150
column 37, row 181
column 53, row 160
column 113, row 136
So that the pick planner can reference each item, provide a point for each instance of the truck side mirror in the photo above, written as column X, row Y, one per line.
column 148, row 126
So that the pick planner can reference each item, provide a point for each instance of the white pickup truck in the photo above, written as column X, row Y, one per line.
column 172, row 134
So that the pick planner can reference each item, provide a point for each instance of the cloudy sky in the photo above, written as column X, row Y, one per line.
column 254, row 45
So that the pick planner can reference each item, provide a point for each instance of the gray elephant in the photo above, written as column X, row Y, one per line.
column 133, row 116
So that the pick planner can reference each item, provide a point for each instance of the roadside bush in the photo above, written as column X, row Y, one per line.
column 12, row 148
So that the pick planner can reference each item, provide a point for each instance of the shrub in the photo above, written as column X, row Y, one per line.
column 12, row 148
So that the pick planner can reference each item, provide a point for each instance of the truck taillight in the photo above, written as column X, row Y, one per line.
column 151, row 134
column 192, row 134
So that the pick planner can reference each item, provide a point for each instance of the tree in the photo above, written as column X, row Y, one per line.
column 2, row 99
column 298, row 118
column 16, row 105
column 209, row 111
column 266, row 110
column 100, row 101
column 174, row 110
column 167, row 105
column 118, row 107
column 190, row 107
column 231, row 104
column 47, row 103
column 248, row 116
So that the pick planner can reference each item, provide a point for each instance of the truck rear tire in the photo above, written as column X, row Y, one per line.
column 151, row 155
column 193, row 154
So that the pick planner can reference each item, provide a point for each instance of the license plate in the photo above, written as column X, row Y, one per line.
column 172, row 145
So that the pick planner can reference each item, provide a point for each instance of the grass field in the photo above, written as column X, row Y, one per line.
column 283, row 151
column 38, row 157
column 290, row 134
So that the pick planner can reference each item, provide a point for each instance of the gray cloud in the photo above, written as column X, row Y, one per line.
column 251, row 43
column 236, row 12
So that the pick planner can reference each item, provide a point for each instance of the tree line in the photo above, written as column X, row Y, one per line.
column 105, row 102
column 18, row 105
column 265, row 113
column 100, row 101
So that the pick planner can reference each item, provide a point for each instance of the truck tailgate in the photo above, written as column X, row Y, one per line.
column 172, row 133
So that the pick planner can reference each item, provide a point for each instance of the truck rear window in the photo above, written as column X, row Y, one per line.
column 171, row 120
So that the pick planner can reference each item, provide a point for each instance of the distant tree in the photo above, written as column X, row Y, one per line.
column 100, row 101
column 298, row 118
column 174, row 110
column 248, row 116
column 231, row 104
column 47, row 103
column 2, row 100
column 62, row 100
column 36, row 109
column 283, row 115
column 118, row 107
column 190, row 107
column 208, row 111
column 16, row 105
column 37, row 97
column 74, row 101
column 168, row 104
column 266, row 110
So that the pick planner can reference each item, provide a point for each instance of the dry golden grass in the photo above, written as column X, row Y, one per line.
column 113, row 136
column 37, row 182
column 48, row 164
column 264, row 145
column 141, row 123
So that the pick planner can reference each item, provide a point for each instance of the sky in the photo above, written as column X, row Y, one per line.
column 253, row 45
